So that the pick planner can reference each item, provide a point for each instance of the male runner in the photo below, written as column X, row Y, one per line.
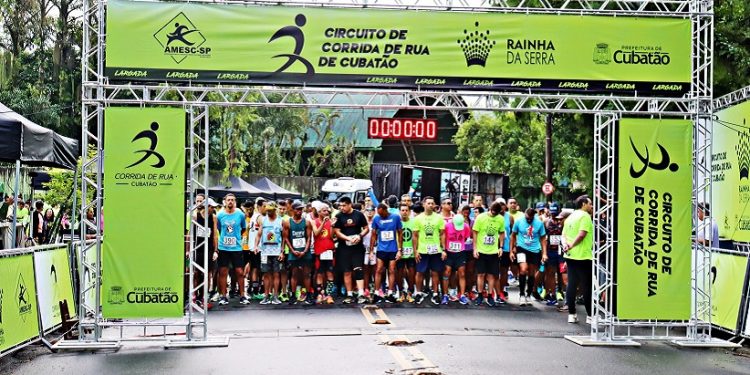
column 387, row 235
column 297, row 232
column 350, row 227
column 231, row 223
column 324, row 249
column 488, row 236
column 248, row 243
column 553, row 271
column 528, row 245
column 428, row 237
column 505, row 262
column 578, row 245
column 406, row 265
column 471, row 262
column 269, row 244
column 284, row 294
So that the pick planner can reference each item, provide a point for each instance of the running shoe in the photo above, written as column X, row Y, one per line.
column 551, row 303
column 409, row 298
column 223, row 301
column 472, row 295
column 215, row 297
column 377, row 297
column 390, row 298
column 527, row 299
column 500, row 300
column 258, row 296
column 453, row 298
column 302, row 296
column 244, row 300
column 348, row 300
column 479, row 300
column 463, row 300
column 435, row 299
column 572, row 318
column 265, row 301
column 445, row 299
column 362, row 300
column 589, row 320
column 537, row 296
column 402, row 298
column 419, row 298
column 319, row 300
column 560, row 296
column 275, row 301
column 309, row 299
column 490, row 301
column 329, row 300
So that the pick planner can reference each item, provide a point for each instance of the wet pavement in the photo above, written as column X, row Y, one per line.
column 342, row 340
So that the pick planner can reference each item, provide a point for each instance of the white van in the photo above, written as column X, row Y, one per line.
column 356, row 189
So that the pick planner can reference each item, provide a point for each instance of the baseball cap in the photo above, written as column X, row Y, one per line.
column 540, row 205
column 500, row 200
column 212, row 202
column 554, row 208
column 297, row 205
column 458, row 221
column 259, row 200
column 271, row 206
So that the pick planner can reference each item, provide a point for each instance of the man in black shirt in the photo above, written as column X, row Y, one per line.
column 350, row 227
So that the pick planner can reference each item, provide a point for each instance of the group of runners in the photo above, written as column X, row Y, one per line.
column 395, row 251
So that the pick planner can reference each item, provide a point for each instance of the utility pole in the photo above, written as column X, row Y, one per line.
column 548, row 152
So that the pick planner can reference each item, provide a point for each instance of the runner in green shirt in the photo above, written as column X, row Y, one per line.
column 577, row 246
column 488, row 235
column 428, row 236
column 406, row 265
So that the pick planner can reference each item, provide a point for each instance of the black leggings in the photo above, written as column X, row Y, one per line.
column 579, row 272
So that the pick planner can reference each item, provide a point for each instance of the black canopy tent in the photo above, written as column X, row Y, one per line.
column 241, row 189
column 25, row 142
column 274, row 191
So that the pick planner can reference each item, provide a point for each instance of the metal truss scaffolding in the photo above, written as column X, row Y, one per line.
column 98, row 93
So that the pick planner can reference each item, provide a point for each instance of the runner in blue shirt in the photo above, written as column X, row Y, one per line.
column 232, row 225
column 387, row 232
column 529, row 249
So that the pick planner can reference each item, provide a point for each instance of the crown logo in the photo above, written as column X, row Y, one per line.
column 476, row 46
column 601, row 54
column 743, row 153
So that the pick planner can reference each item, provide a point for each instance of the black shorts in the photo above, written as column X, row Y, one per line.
column 348, row 259
column 386, row 256
column 233, row 258
column 553, row 258
column 432, row 262
column 409, row 263
column 199, row 259
column 323, row 266
column 488, row 264
column 301, row 262
column 456, row 260
column 531, row 257
column 505, row 259
column 272, row 265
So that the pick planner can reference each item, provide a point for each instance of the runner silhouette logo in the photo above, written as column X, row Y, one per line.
column 180, row 38
column 647, row 162
column 23, row 298
column 294, row 32
column 149, row 134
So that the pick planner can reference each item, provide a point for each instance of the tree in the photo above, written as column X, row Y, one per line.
column 732, row 43
column 513, row 143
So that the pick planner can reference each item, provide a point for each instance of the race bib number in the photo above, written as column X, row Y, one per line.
column 327, row 255
column 230, row 241
column 407, row 252
column 554, row 240
column 432, row 249
column 263, row 259
column 386, row 235
column 270, row 251
column 489, row 240
column 455, row 246
column 202, row 232
column 349, row 243
column 298, row 243
column 520, row 258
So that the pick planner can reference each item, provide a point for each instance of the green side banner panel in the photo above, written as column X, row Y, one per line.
column 730, row 167
column 144, row 183
column 18, row 310
column 171, row 41
column 654, row 219
column 53, row 278
column 727, row 279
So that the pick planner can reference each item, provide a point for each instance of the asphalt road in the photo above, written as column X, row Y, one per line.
column 341, row 340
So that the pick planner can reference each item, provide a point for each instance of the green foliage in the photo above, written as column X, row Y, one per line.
column 514, row 143
column 61, row 185
column 732, row 43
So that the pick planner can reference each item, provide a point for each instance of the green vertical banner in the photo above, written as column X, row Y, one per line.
column 727, row 280
column 18, row 310
column 730, row 170
column 654, row 219
column 144, row 178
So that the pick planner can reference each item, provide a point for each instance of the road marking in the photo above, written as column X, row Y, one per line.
column 410, row 358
